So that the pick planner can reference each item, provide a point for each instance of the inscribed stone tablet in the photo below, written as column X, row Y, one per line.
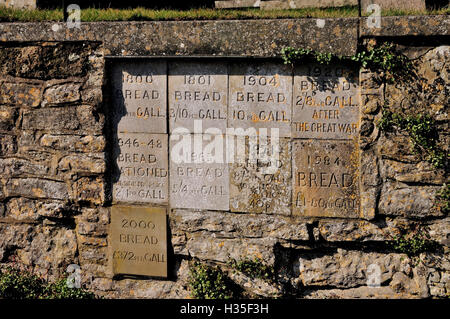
column 198, row 91
column 326, row 102
column 198, row 180
column 139, row 240
column 254, row 188
column 325, row 178
column 142, row 168
column 260, row 97
column 139, row 92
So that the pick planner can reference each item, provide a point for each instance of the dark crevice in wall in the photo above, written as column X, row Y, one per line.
column 412, row 40
column 414, row 184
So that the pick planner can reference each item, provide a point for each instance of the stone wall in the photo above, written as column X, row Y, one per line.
column 19, row 4
column 55, row 103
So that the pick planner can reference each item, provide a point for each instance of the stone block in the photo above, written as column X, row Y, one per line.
column 198, row 180
column 141, row 171
column 198, row 91
column 325, row 178
column 260, row 97
column 139, row 240
column 139, row 92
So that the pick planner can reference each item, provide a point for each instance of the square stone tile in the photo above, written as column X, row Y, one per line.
column 260, row 97
column 255, row 189
column 197, row 181
column 139, row 240
column 326, row 102
column 198, row 91
column 325, row 178
column 141, row 168
column 139, row 96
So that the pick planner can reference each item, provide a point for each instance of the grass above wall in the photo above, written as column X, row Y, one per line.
column 142, row 14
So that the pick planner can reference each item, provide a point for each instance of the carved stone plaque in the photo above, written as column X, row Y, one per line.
column 198, row 91
column 260, row 97
column 198, row 180
column 325, row 178
column 141, row 172
column 139, row 240
column 326, row 102
column 255, row 187
column 139, row 96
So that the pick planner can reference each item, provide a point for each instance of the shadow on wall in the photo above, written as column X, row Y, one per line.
column 120, row 4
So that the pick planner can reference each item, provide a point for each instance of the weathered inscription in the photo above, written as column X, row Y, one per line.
column 142, row 168
column 325, row 178
column 326, row 102
column 139, row 92
column 139, row 241
column 197, row 180
column 198, row 91
column 260, row 97
column 253, row 190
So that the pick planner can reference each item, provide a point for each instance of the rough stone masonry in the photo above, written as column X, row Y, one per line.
column 60, row 148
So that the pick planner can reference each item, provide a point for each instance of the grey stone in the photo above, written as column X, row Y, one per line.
column 326, row 102
column 325, row 178
column 352, row 230
column 298, row 4
column 260, row 97
column 83, row 164
column 345, row 268
column 64, row 119
column 398, row 199
column 231, row 225
column 37, row 188
column 19, row 4
column 141, row 174
column 139, row 92
column 237, row 4
column 416, row 5
column 19, row 167
column 198, row 180
column 253, row 190
column 61, row 93
column 198, row 91
column 76, row 143
column 8, row 144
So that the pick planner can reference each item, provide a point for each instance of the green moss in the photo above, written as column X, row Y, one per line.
column 21, row 284
column 206, row 282
column 413, row 244
column 382, row 58
column 422, row 131
column 443, row 199
column 254, row 268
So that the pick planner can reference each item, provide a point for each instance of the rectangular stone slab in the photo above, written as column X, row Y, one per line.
column 325, row 178
column 198, row 91
column 139, row 240
column 139, row 96
column 254, row 189
column 141, row 168
column 260, row 97
column 326, row 102
column 194, row 182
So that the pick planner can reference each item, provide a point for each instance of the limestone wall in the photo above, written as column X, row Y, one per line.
column 56, row 161
column 19, row 4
